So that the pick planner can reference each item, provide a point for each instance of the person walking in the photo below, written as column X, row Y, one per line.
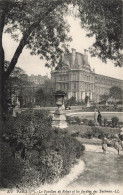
column 95, row 116
column 104, row 145
column 117, row 143
column 99, row 118
column 121, row 137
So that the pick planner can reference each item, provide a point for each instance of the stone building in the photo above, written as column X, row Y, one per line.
column 25, row 87
column 38, row 79
column 77, row 79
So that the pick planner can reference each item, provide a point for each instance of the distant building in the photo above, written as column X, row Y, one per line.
column 38, row 79
column 77, row 79
column 25, row 88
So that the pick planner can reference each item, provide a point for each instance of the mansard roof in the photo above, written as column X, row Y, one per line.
column 77, row 60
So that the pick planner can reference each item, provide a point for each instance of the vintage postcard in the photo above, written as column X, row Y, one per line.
column 61, row 97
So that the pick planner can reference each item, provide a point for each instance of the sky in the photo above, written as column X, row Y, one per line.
column 33, row 64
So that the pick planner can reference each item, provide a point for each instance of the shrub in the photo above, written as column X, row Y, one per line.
column 91, row 123
column 88, row 135
column 33, row 147
column 85, row 121
column 115, row 121
column 68, row 119
column 78, row 120
column 78, row 128
column 71, row 102
column 100, row 132
column 105, row 122
column 75, row 134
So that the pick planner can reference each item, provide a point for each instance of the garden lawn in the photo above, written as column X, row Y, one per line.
column 89, row 132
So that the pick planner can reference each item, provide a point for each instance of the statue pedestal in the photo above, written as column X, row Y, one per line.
column 16, row 111
column 59, row 119
column 88, row 104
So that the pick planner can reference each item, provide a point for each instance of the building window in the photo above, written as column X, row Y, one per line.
column 74, row 76
column 74, row 85
column 74, row 94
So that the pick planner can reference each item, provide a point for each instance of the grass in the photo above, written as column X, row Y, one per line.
column 108, row 130
column 89, row 132
column 75, row 128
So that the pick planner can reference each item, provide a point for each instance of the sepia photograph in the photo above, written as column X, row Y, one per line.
column 61, row 97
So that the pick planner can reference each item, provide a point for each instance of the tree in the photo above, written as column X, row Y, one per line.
column 115, row 121
column 71, row 101
column 43, row 27
column 40, row 97
column 86, row 99
column 116, row 93
column 49, row 93
column 103, row 20
column 44, row 97
column 37, row 25
column 40, row 26
column 104, row 98
column 13, row 88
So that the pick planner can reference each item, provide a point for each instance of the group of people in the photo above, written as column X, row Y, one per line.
column 118, row 142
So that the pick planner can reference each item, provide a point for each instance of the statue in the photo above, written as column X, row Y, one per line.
column 95, row 117
column 16, row 109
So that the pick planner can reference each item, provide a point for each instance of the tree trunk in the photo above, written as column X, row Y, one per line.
column 26, row 35
column 2, row 20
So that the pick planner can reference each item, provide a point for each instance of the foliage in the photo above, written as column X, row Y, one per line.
column 68, row 148
column 40, row 97
column 60, row 92
column 104, row 98
column 13, row 87
column 16, row 172
column 85, row 131
column 78, row 120
column 38, row 25
column 91, row 123
column 103, row 21
column 35, row 148
column 75, row 120
column 105, row 121
column 44, row 30
column 85, row 121
column 78, row 128
column 108, row 131
column 100, row 132
column 45, row 95
column 71, row 101
column 116, row 93
column 86, row 99
column 16, row 73
column 88, row 135
column 41, row 27
column 68, row 119
column 115, row 121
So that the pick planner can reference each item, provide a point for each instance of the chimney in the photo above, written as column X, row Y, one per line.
column 86, row 56
column 85, row 51
column 73, row 55
column 94, row 70
column 73, row 51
